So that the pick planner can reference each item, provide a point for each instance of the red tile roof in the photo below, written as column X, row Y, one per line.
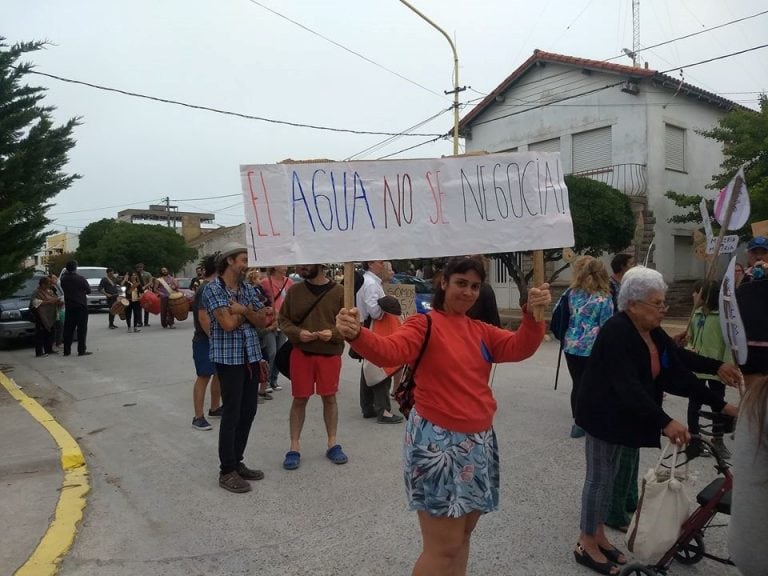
column 587, row 64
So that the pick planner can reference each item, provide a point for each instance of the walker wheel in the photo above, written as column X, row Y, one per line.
column 638, row 570
column 692, row 552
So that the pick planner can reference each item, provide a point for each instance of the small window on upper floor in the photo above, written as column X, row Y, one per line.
column 552, row 145
column 674, row 148
column 592, row 150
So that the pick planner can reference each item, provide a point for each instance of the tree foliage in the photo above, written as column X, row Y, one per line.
column 33, row 153
column 602, row 222
column 121, row 245
column 744, row 136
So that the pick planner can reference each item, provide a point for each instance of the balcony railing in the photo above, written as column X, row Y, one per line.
column 628, row 178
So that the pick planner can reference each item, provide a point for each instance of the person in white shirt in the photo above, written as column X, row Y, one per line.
column 374, row 400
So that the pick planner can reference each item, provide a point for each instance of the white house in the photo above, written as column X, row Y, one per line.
column 633, row 128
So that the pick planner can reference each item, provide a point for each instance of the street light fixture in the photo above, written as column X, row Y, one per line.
column 456, row 88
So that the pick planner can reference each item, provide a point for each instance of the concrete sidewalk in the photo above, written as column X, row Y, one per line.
column 30, row 481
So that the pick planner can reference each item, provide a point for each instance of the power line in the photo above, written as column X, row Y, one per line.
column 410, row 148
column 716, row 58
column 102, row 208
column 205, row 198
column 218, row 110
column 691, row 35
column 388, row 141
column 339, row 45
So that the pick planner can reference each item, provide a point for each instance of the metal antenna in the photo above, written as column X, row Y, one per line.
column 635, row 30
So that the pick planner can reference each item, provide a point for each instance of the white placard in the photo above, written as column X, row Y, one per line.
column 741, row 207
column 730, row 318
column 727, row 246
column 304, row 213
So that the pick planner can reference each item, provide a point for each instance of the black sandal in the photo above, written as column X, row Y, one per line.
column 585, row 559
column 613, row 554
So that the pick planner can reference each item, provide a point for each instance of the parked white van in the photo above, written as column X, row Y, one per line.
column 94, row 274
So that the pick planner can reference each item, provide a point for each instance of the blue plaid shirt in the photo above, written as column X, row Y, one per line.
column 231, row 348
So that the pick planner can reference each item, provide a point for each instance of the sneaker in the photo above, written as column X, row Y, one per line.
column 137, row 330
column 201, row 424
column 234, row 483
column 276, row 387
column 265, row 395
column 248, row 473
column 215, row 413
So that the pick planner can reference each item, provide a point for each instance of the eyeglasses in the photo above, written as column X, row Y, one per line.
column 660, row 307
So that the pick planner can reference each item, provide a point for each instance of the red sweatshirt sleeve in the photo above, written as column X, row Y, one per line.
column 401, row 347
column 508, row 346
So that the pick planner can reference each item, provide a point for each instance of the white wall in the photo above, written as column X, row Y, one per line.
column 637, row 133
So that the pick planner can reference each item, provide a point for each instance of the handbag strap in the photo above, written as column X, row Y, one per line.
column 674, row 457
column 315, row 303
column 423, row 344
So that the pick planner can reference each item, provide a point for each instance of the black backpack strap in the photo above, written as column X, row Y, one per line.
column 423, row 344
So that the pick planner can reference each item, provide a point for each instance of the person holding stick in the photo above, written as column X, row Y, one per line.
column 451, row 455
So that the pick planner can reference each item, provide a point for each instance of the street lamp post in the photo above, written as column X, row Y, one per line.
column 456, row 88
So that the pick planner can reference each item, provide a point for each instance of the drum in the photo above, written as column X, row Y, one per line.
column 150, row 302
column 179, row 305
column 118, row 308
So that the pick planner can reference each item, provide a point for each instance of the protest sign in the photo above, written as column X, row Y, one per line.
column 352, row 211
column 405, row 294
column 727, row 246
column 740, row 210
column 730, row 317
column 760, row 228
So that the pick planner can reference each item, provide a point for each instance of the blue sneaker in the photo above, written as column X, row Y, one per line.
column 201, row 424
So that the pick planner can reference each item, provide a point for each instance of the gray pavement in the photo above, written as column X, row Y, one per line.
column 155, row 506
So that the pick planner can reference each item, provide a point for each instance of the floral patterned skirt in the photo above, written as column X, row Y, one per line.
column 450, row 473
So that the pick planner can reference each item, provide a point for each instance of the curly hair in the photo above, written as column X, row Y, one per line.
column 590, row 275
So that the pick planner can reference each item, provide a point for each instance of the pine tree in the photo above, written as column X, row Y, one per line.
column 33, row 153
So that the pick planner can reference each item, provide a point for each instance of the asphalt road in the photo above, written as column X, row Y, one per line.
column 156, row 508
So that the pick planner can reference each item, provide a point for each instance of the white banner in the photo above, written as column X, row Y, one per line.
column 741, row 207
column 730, row 317
column 306, row 213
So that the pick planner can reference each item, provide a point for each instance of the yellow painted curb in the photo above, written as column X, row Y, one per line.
column 57, row 541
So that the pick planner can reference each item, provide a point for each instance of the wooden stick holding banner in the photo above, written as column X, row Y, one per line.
column 538, row 280
column 349, row 285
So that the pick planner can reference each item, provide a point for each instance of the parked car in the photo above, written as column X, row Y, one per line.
column 15, row 317
column 94, row 274
column 424, row 291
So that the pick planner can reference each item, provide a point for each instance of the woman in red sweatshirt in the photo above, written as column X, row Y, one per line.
column 451, row 455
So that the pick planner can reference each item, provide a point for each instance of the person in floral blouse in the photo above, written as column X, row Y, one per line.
column 591, row 306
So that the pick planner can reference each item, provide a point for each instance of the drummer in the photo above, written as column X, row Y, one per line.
column 133, row 291
column 164, row 285
column 108, row 287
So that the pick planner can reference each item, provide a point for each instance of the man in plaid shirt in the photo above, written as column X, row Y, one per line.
column 235, row 313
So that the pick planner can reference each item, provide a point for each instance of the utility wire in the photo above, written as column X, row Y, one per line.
column 691, row 35
column 383, row 143
column 411, row 148
column 219, row 111
column 339, row 45
column 102, row 208
column 205, row 198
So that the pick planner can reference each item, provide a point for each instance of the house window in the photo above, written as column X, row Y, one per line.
column 674, row 148
column 592, row 150
column 552, row 145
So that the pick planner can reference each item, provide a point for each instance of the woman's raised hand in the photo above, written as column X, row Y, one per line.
column 539, row 297
column 348, row 323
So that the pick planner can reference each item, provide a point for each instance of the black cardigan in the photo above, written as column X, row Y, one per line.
column 619, row 401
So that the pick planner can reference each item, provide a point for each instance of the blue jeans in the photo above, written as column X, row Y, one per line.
column 271, row 343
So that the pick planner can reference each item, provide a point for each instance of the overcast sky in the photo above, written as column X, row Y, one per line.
column 238, row 56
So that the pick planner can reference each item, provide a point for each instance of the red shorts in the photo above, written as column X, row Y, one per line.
column 313, row 373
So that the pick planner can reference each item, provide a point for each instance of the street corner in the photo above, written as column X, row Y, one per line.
column 44, row 482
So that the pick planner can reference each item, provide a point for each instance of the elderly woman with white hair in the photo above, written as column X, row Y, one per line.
column 633, row 362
